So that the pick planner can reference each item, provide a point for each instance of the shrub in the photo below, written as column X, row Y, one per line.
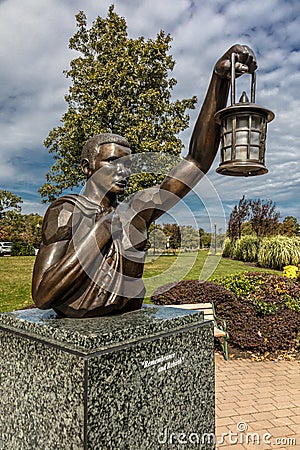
column 239, row 283
column 246, row 248
column 21, row 248
column 265, row 308
column 292, row 303
column 228, row 247
column 279, row 251
column 189, row 291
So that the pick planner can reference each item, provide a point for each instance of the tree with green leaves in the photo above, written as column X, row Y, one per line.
column 264, row 217
column 9, row 207
column 258, row 216
column 157, row 239
column 119, row 85
column 26, row 228
column 290, row 226
column 9, row 202
column 204, row 238
column 15, row 226
column 190, row 239
column 172, row 231
column 239, row 214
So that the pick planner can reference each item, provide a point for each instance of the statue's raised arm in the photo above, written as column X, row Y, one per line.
column 91, row 259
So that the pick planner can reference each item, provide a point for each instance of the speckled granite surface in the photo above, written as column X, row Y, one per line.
column 91, row 335
column 137, row 381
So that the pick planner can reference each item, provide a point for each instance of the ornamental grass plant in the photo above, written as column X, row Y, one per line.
column 246, row 248
column 279, row 251
column 273, row 252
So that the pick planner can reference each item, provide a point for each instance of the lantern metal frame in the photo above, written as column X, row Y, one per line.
column 243, row 133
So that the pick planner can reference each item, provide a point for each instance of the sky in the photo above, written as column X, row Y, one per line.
column 34, row 38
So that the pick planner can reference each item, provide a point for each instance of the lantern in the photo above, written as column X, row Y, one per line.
column 243, row 133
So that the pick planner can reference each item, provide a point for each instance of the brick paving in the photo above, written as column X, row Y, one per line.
column 257, row 405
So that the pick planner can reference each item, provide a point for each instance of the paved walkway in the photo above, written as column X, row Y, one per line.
column 257, row 402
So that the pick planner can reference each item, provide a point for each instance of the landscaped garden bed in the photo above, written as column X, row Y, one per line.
column 261, row 310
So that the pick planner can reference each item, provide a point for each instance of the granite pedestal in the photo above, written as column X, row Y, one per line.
column 141, row 380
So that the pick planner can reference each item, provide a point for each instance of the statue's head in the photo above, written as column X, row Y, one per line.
column 109, row 155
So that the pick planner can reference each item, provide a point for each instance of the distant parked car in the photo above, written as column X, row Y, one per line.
column 5, row 248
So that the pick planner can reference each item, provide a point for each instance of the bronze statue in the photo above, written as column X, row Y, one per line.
column 91, row 259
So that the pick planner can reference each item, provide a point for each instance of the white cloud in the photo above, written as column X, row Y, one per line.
column 30, row 206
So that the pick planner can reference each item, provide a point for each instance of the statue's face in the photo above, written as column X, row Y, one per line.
column 112, row 168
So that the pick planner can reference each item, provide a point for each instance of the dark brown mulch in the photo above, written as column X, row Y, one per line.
column 252, row 334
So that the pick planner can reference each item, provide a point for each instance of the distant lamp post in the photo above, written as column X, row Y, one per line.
column 168, row 243
column 215, row 238
column 154, row 242
column 243, row 133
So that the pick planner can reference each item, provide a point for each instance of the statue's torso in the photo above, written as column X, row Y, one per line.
column 113, row 282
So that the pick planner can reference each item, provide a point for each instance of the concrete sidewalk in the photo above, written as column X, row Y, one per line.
column 257, row 404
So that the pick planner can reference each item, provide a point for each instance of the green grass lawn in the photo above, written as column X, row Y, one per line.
column 16, row 272
column 15, row 282
column 191, row 266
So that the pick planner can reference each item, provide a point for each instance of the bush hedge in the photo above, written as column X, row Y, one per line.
column 292, row 272
column 246, row 248
column 190, row 291
column 271, row 252
column 228, row 247
column 21, row 248
column 262, row 311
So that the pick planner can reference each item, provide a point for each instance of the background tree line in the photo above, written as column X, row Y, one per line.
column 172, row 237
column 250, row 222
column 261, row 218
column 24, row 230
column 256, row 235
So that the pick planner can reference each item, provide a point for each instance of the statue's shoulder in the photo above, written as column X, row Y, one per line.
column 59, row 219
